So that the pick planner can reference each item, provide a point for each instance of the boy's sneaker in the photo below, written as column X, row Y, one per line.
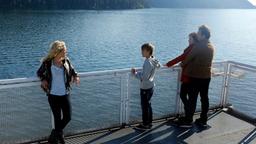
column 183, row 122
column 201, row 122
column 143, row 127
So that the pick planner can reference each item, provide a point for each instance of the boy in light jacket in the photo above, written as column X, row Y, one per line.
column 146, row 76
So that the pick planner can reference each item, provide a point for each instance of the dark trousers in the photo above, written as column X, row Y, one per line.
column 60, row 104
column 147, row 114
column 184, row 96
column 198, row 86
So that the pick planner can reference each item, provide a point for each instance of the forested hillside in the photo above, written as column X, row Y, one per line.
column 72, row 4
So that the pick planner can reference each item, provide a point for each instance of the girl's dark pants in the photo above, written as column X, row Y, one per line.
column 60, row 104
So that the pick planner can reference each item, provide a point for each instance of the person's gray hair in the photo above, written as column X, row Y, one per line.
column 205, row 30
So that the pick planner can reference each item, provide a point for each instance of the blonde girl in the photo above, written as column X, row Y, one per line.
column 56, row 74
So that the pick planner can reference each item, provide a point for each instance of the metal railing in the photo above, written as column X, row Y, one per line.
column 240, row 89
column 104, row 99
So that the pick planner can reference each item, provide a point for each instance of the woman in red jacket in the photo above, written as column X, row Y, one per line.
column 184, row 79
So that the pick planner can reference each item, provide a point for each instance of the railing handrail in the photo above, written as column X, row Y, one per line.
column 243, row 66
column 116, row 72
column 82, row 74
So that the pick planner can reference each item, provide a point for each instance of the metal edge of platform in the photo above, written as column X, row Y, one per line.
column 242, row 116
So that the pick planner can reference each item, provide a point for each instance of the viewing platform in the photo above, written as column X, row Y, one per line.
column 106, row 108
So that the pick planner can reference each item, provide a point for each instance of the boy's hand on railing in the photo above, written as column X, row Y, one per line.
column 133, row 70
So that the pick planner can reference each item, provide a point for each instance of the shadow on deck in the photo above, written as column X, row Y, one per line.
column 223, row 128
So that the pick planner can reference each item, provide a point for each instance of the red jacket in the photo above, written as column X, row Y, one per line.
column 181, row 58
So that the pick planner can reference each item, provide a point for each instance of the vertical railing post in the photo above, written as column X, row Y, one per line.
column 52, row 120
column 225, row 87
column 127, row 102
column 178, row 101
column 124, row 106
column 122, row 101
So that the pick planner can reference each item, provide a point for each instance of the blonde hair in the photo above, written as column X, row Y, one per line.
column 55, row 48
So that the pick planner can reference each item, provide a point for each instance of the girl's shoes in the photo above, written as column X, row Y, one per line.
column 53, row 138
column 56, row 137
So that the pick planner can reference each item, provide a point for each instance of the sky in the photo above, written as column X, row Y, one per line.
column 253, row 2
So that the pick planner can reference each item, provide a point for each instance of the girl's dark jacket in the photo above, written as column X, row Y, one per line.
column 44, row 73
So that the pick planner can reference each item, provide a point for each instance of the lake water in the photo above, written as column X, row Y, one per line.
column 103, row 40
column 100, row 40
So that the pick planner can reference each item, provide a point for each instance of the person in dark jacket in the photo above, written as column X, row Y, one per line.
column 56, row 74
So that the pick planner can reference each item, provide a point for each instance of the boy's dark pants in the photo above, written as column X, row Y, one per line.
column 146, row 105
column 198, row 86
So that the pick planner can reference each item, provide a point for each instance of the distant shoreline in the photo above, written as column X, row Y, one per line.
column 111, row 5
column 49, row 10
column 201, row 8
column 6, row 9
column 72, row 4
